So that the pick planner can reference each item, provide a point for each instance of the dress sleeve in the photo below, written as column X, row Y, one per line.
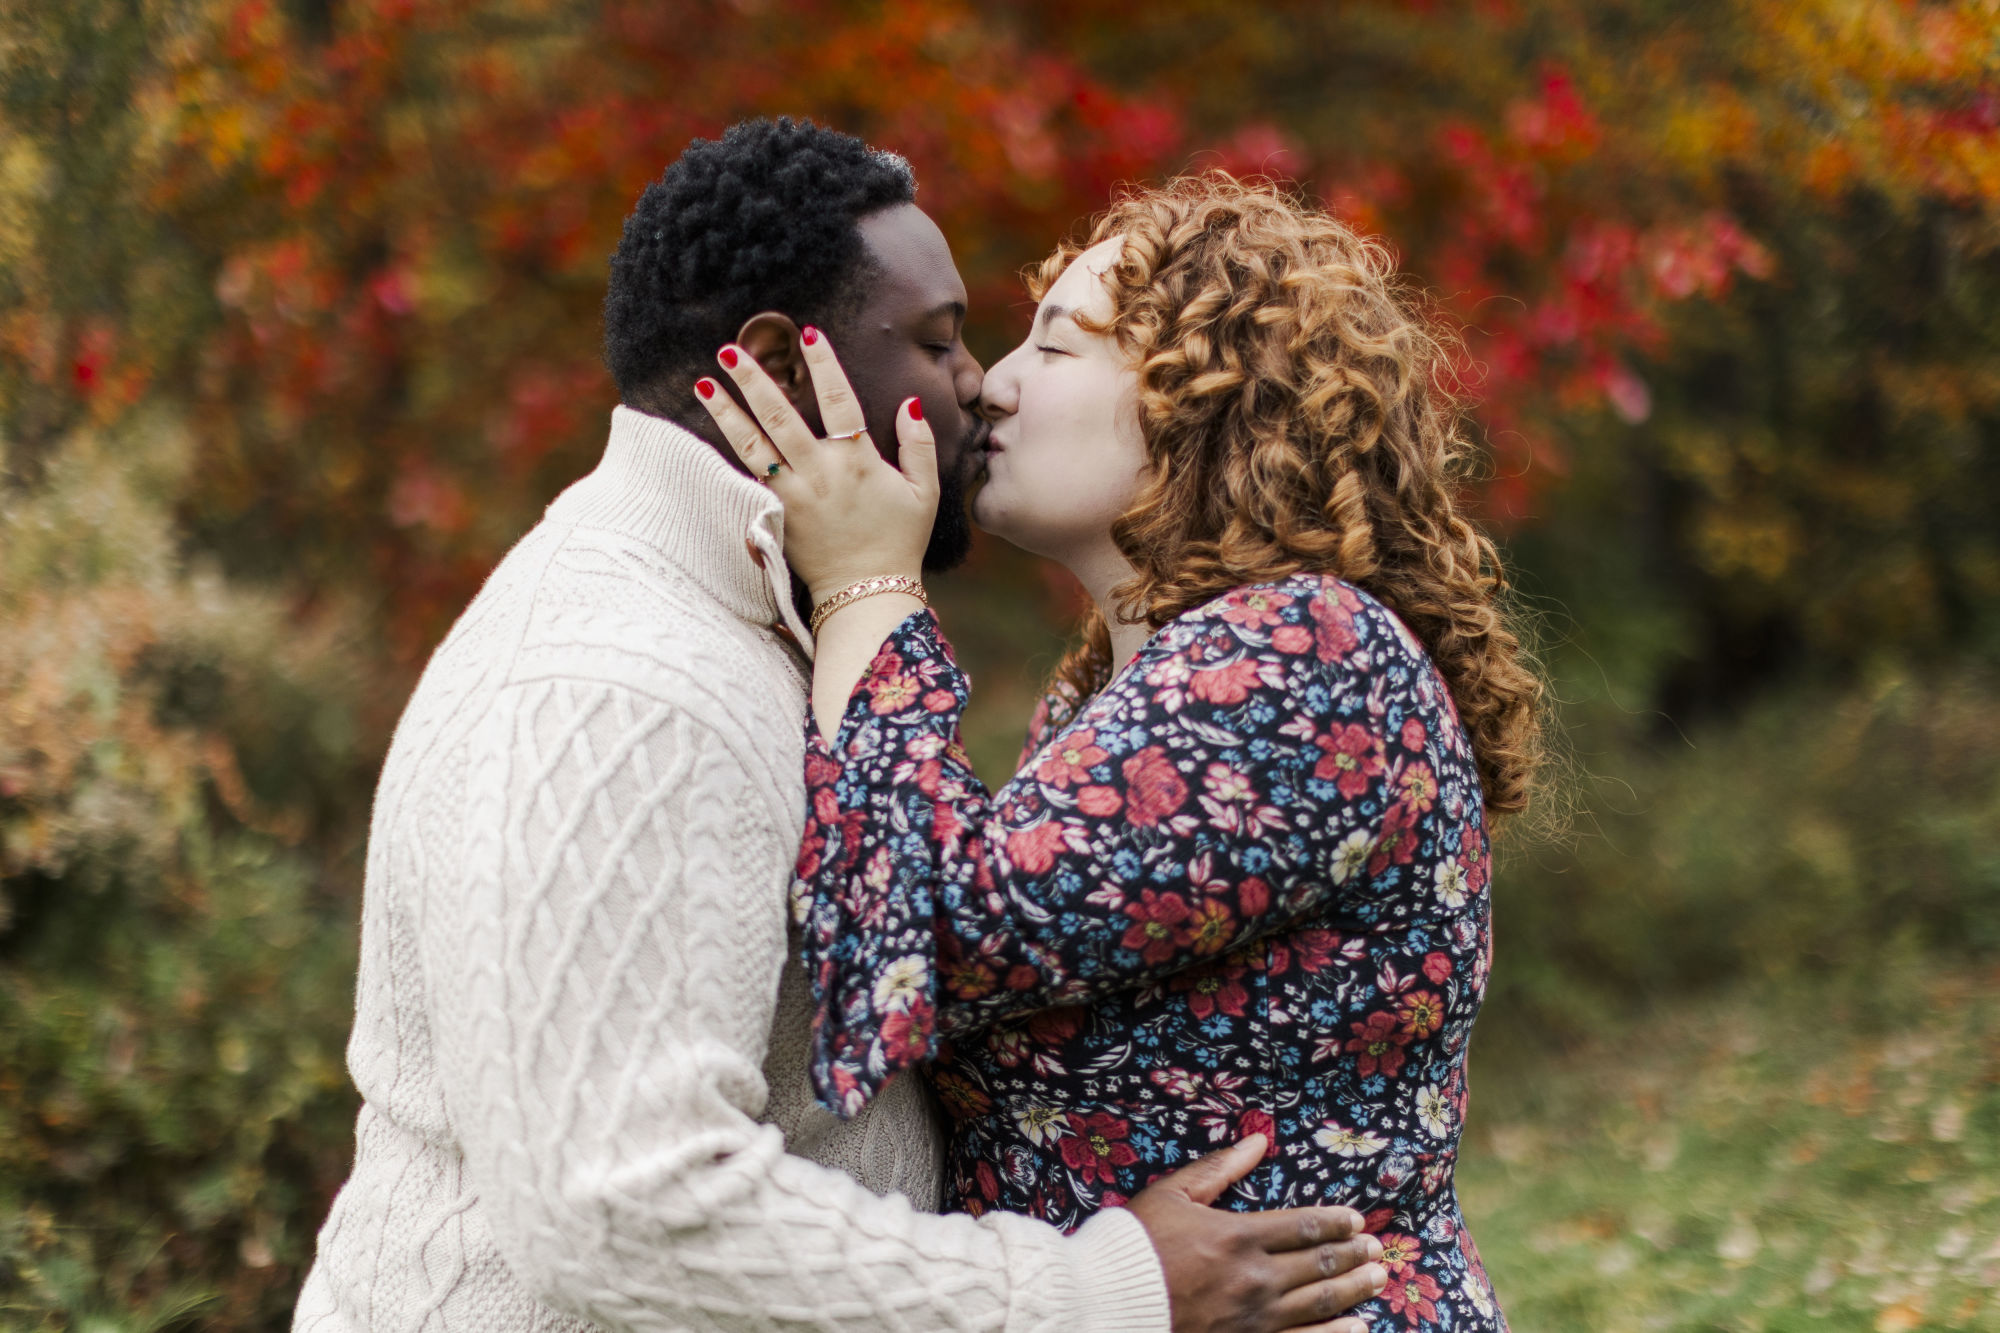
column 1241, row 772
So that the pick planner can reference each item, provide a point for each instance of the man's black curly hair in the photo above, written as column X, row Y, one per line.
column 762, row 219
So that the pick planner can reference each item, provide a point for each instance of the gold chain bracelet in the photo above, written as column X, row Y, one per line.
column 854, row 592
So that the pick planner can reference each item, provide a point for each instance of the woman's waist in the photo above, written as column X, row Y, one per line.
column 1373, row 1159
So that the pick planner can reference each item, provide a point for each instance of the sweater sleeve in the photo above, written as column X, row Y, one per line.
column 1246, row 770
column 602, row 977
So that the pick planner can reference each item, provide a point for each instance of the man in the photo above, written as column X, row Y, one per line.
column 579, row 1042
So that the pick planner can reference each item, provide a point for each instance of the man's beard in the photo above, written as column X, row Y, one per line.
column 951, row 530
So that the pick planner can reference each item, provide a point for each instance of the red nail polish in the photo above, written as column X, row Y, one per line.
column 705, row 387
column 728, row 357
column 809, row 335
column 916, row 409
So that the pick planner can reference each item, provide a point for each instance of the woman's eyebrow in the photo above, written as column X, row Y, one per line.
column 1049, row 314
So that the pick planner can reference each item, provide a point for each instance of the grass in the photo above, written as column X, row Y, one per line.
column 1806, row 1157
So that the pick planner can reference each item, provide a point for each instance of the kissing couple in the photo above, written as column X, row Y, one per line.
column 703, row 983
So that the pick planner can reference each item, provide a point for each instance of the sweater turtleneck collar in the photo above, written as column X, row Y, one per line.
column 661, row 484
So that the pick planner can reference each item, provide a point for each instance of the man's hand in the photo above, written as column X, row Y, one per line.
column 1238, row 1272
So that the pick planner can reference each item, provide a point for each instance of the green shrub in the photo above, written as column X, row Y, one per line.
column 1819, row 831
column 182, row 784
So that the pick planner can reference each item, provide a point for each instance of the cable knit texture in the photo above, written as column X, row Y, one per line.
column 580, row 1046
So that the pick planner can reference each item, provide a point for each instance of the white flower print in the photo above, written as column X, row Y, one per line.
column 1452, row 885
column 1434, row 1111
column 1227, row 784
column 1041, row 1124
column 1344, row 1142
column 901, row 982
column 1481, row 1298
column 881, row 869
column 1351, row 855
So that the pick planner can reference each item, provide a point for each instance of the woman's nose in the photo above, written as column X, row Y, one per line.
column 999, row 395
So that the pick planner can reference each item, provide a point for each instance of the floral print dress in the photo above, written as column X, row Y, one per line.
column 1242, row 888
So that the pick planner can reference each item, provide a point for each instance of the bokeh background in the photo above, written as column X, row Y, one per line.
column 299, row 329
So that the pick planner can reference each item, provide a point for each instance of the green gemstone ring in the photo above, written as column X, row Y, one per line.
column 772, row 469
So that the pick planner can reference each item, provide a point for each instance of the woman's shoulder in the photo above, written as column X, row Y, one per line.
column 1307, row 609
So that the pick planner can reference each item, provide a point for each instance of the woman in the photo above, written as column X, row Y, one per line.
column 1239, row 884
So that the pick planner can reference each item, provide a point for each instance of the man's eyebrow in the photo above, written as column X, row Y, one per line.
column 956, row 309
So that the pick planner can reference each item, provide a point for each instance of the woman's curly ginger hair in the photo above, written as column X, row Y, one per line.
column 1293, row 402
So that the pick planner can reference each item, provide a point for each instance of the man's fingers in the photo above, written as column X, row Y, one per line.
column 1299, row 1268
column 1326, row 1301
column 1204, row 1180
column 1351, row 1324
column 839, row 409
column 743, row 434
column 1303, row 1228
column 780, row 421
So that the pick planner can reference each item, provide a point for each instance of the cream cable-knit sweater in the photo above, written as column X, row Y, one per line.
column 584, row 1084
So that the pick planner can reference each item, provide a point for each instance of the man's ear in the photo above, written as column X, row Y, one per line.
column 772, row 340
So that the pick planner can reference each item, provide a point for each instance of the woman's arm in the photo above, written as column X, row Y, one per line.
column 1258, row 756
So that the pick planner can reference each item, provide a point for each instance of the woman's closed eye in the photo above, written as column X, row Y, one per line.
column 1053, row 351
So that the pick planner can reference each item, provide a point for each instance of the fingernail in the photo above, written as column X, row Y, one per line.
column 916, row 409
column 1374, row 1248
column 705, row 387
column 727, row 356
column 1378, row 1276
column 809, row 335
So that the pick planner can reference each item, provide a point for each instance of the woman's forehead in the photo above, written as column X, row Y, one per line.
column 1082, row 287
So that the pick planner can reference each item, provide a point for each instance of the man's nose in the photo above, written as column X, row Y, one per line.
column 968, row 380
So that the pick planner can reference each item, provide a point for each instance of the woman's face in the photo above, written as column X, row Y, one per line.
column 1065, row 455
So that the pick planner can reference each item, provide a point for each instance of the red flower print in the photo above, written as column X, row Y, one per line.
column 967, row 979
column 1413, row 734
column 1153, row 790
column 1097, row 802
column 821, row 771
column 1053, row 1027
column 1291, row 638
column 1398, row 1252
column 1315, row 948
column 1352, row 758
column 1437, row 966
column 1070, row 759
column 1257, row 1122
column 1095, row 1145
column 1158, row 925
column 987, row 1182
column 1413, row 1295
column 1254, row 608
column 906, row 1035
column 963, row 1099
column 1033, row 850
column 1008, row 1045
column 940, row 701
column 892, row 694
column 1398, row 842
column 1229, row 684
column 1422, row 1013
column 1419, row 787
column 1208, row 927
column 1379, row 1041
column 1334, row 627
column 1253, row 895
column 1213, row 990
